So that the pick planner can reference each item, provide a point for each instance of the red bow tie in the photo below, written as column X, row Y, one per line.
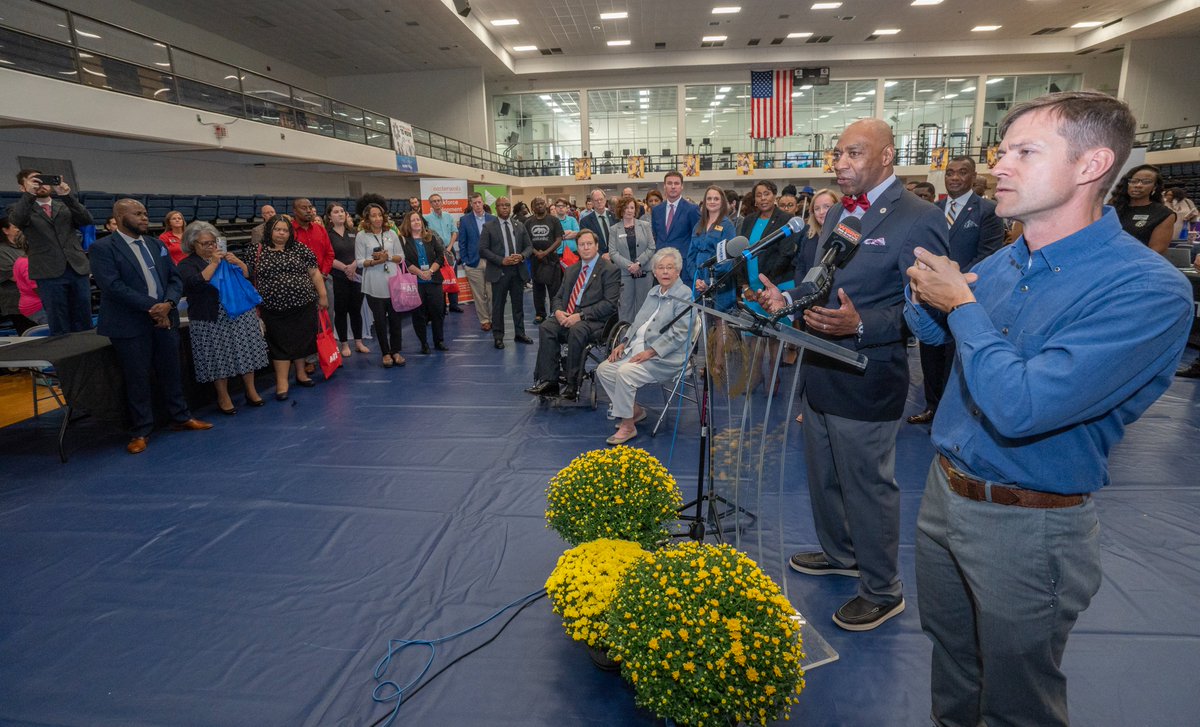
column 860, row 201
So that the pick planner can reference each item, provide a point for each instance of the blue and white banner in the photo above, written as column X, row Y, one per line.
column 406, row 147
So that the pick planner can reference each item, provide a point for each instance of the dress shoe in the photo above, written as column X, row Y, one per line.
column 281, row 396
column 309, row 368
column 486, row 326
column 306, row 383
column 137, row 445
column 424, row 349
column 227, row 412
column 618, row 438
column 859, row 614
column 923, row 418
column 455, row 309
column 543, row 388
column 440, row 347
column 255, row 402
column 498, row 343
column 191, row 425
column 398, row 359
column 522, row 338
column 539, row 319
column 1190, row 372
column 570, row 393
column 815, row 563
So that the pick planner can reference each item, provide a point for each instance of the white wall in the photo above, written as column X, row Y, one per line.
column 143, row 19
column 451, row 102
column 1158, row 83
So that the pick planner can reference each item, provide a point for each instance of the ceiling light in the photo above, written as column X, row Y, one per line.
column 924, row 90
column 558, row 111
column 551, row 104
column 714, row 38
column 799, row 35
column 990, row 81
column 985, row 28
column 612, row 43
column 720, row 97
column 1088, row 24
column 950, row 95
column 927, row 2
column 826, row 6
column 689, row 98
column 889, row 84
column 714, row 103
column 886, row 31
column 724, row 89
column 614, row 16
column 727, row 10
column 795, row 94
column 545, row 97
column 965, row 89
column 806, row 86
column 869, row 93
column 858, row 98
column 956, row 80
column 644, row 92
column 86, row 34
column 523, row 48
column 506, row 21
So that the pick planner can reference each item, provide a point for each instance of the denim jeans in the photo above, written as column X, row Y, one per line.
column 1000, row 589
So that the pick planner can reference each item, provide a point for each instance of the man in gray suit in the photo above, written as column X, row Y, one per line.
column 851, row 417
column 505, row 245
column 975, row 233
column 56, row 258
column 588, row 297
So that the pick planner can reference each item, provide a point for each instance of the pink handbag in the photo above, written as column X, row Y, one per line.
column 403, row 289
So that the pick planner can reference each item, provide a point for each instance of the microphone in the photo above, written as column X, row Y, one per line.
column 793, row 226
column 839, row 248
column 726, row 250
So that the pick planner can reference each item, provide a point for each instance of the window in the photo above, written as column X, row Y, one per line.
column 530, row 127
column 633, row 121
column 1003, row 92
column 716, row 119
column 927, row 113
column 820, row 113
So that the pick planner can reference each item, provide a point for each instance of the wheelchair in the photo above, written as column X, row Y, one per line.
column 593, row 353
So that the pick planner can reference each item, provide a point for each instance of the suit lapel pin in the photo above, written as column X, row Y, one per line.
column 883, row 210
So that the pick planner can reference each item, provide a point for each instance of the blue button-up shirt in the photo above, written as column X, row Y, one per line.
column 444, row 225
column 1066, row 347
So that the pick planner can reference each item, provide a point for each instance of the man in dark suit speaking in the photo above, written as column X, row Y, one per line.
column 588, row 297
column 505, row 245
column 851, row 417
column 975, row 233
column 140, row 290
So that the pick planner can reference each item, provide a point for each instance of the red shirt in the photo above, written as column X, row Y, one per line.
column 315, row 238
column 30, row 302
column 174, row 246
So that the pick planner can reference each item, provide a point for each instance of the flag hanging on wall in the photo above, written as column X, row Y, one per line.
column 770, row 104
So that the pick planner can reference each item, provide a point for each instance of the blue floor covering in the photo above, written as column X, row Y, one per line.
column 253, row 574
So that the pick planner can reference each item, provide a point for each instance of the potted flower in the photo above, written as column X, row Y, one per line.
column 705, row 637
column 582, row 586
column 620, row 492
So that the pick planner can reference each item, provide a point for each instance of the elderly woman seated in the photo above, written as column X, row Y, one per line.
column 646, row 355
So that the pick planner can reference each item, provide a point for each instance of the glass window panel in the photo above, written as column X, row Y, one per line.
column 204, row 69
column 349, row 132
column 641, row 120
column 437, row 140
column 117, row 43
column 347, row 114
column 538, row 126
column 270, row 113
column 820, row 113
column 927, row 113
column 210, row 98
column 309, row 101
column 378, row 123
column 378, row 138
column 314, row 123
column 423, row 150
column 116, row 75
column 36, row 18
column 266, row 89
column 420, row 135
column 26, row 53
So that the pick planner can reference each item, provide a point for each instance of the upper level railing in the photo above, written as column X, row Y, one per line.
column 1181, row 137
column 44, row 39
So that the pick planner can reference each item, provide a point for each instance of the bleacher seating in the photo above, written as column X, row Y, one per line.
column 206, row 209
column 157, row 207
column 246, row 209
column 186, row 206
column 227, row 209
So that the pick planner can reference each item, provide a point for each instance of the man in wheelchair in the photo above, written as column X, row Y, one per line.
column 588, row 297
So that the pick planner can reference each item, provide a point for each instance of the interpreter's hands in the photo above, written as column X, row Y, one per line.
column 841, row 322
column 938, row 281
column 769, row 297
column 616, row 352
column 646, row 355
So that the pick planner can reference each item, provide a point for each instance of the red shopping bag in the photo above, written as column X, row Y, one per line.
column 569, row 258
column 327, row 348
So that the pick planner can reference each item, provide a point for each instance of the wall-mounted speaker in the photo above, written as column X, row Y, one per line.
column 504, row 107
column 462, row 7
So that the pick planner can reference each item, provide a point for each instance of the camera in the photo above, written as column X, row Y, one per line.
column 50, row 180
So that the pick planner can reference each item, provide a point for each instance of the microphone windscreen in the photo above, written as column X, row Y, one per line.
column 736, row 246
column 848, row 229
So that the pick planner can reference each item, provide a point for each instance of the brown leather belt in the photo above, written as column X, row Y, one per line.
column 976, row 489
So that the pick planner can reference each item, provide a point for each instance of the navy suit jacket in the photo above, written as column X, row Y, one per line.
column 687, row 216
column 977, row 231
column 593, row 221
column 874, row 280
column 125, row 301
column 468, row 238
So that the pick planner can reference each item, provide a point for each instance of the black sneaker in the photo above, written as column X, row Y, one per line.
column 816, row 564
column 859, row 614
column 1190, row 372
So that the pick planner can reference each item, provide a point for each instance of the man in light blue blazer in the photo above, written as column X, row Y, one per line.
column 674, row 221
column 139, row 293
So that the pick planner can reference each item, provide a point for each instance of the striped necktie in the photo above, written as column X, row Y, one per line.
column 583, row 271
column 951, row 213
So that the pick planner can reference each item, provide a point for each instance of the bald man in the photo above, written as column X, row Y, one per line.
column 851, row 417
column 139, row 294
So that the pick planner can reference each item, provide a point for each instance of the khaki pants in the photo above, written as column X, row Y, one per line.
column 481, row 291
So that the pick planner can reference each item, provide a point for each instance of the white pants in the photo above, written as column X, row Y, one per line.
column 481, row 291
column 621, row 381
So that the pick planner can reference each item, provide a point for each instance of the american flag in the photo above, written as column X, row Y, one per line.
column 770, row 104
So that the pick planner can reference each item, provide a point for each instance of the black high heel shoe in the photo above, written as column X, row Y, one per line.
column 255, row 402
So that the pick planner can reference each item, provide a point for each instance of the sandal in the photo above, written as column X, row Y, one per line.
column 362, row 347
column 387, row 361
column 399, row 359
